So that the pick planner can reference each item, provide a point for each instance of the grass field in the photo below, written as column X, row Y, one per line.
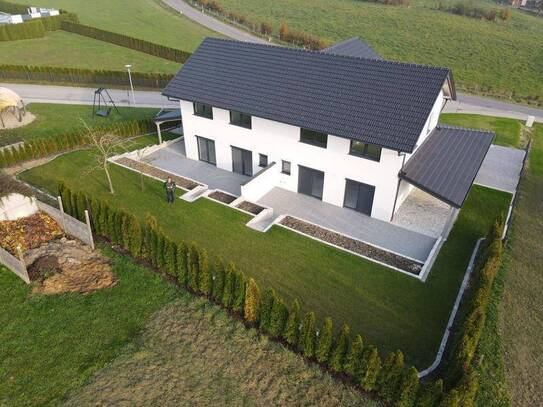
column 521, row 313
column 507, row 130
column 486, row 57
column 62, row 49
column 53, row 119
column 390, row 309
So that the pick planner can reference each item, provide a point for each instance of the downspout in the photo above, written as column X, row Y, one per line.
column 397, row 187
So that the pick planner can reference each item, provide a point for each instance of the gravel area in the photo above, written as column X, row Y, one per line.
column 353, row 245
column 250, row 207
column 148, row 169
column 222, row 197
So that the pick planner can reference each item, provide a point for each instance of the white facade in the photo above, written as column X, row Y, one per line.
column 281, row 141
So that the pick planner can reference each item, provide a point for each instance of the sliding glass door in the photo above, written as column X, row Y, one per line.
column 359, row 196
column 310, row 182
column 206, row 150
column 242, row 161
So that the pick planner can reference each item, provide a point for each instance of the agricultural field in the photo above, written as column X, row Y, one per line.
column 67, row 50
column 489, row 58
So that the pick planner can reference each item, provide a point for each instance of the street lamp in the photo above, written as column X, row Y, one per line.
column 128, row 66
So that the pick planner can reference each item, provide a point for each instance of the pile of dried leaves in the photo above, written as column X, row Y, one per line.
column 28, row 232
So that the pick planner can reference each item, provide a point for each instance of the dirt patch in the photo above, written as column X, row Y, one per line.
column 222, row 197
column 28, row 232
column 148, row 169
column 250, row 207
column 11, row 121
column 63, row 265
column 353, row 245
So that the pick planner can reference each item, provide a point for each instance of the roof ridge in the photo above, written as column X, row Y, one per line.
column 453, row 127
column 328, row 55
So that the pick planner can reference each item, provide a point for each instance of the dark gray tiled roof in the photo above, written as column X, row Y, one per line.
column 446, row 164
column 375, row 101
column 353, row 47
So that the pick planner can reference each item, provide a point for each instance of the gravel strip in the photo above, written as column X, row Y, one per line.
column 250, row 207
column 353, row 245
column 148, row 169
column 222, row 197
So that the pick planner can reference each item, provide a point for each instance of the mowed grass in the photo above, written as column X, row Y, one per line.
column 52, row 119
column 53, row 344
column 145, row 19
column 67, row 50
column 390, row 309
column 193, row 353
column 521, row 316
column 507, row 130
column 486, row 57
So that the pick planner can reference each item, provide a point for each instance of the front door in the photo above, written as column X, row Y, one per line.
column 206, row 150
column 242, row 161
column 310, row 182
column 359, row 196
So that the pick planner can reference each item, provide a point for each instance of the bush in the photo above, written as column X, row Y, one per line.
column 206, row 277
column 324, row 341
column 292, row 328
column 353, row 361
column 278, row 318
column 181, row 254
column 23, row 31
column 390, row 376
column 266, row 28
column 505, row 14
column 218, row 280
column 193, row 263
column 306, row 344
column 13, row 8
column 283, row 31
column 341, row 346
column 229, row 287
column 431, row 394
column 370, row 369
column 252, row 302
column 266, row 309
column 408, row 388
column 239, row 291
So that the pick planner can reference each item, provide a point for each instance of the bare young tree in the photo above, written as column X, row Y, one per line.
column 140, row 154
column 104, row 145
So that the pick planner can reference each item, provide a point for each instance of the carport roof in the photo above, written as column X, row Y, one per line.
column 446, row 164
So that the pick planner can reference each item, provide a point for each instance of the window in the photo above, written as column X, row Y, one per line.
column 313, row 137
column 206, row 150
column 262, row 160
column 203, row 110
column 285, row 167
column 359, row 196
column 240, row 119
column 370, row 151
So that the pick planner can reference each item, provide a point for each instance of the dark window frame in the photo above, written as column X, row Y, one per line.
column 248, row 125
column 260, row 156
column 283, row 171
column 207, row 142
column 310, row 138
column 202, row 114
column 365, row 154
column 358, row 185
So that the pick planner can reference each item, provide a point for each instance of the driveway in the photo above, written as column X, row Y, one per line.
column 501, row 168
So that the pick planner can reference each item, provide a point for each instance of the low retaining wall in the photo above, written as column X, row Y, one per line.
column 261, row 183
column 71, row 226
column 14, row 264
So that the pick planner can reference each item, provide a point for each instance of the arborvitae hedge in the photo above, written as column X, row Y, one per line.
column 353, row 359
column 13, row 8
column 147, row 47
column 30, row 73
column 252, row 302
column 34, row 28
column 324, row 341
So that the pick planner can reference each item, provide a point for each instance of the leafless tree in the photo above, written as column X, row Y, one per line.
column 140, row 154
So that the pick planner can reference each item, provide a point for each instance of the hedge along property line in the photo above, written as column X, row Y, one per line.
column 224, row 284
column 147, row 47
column 82, row 76
column 13, row 8
column 35, row 28
column 42, row 147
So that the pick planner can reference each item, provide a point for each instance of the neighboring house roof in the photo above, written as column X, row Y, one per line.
column 353, row 47
column 446, row 164
column 375, row 101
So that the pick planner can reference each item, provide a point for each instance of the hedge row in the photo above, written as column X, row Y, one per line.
column 13, row 8
column 147, row 47
column 34, row 28
column 82, row 76
column 226, row 285
column 42, row 147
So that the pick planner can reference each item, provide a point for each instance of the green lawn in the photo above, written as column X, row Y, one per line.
column 62, row 49
column 486, row 57
column 144, row 19
column 52, row 119
column 507, row 130
column 53, row 344
column 390, row 309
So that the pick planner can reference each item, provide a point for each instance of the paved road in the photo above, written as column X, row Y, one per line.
column 212, row 23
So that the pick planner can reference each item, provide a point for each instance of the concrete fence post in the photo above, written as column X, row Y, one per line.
column 87, row 221
column 23, row 265
column 60, row 206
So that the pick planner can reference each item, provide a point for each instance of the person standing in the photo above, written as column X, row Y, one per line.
column 170, row 189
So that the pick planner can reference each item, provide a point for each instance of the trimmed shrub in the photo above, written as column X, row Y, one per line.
column 266, row 309
column 283, row 31
column 206, row 278
column 451, row 399
column 324, row 341
column 181, row 254
column 13, row 8
column 229, row 286
column 239, row 291
column 135, row 236
column 252, row 302
column 408, row 388
column 266, row 28
column 370, row 369
column 193, row 267
column 23, row 31
column 353, row 360
column 391, row 375
column 292, row 328
column 218, row 280
column 341, row 346
column 306, row 344
column 431, row 394
column 170, row 257
column 278, row 318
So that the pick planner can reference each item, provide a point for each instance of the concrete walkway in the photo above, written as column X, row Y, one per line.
column 383, row 234
column 501, row 168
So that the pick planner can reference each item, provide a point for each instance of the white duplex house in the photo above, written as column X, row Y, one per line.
column 341, row 125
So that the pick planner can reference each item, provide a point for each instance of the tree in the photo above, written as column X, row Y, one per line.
column 408, row 388
column 239, row 291
column 266, row 28
column 140, row 155
column 306, row 344
column 181, row 263
column 252, row 302
column 134, row 229
column 353, row 359
column 292, row 328
column 229, row 286
column 324, row 341
column 218, row 280
column 283, row 31
column 468, row 386
column 103, row 146
column 206, row 278
column 159, row 252
column 170, row 257
column 278, row 318
column 266, row 309
column 370, row 368
column 431, row 394
column 390, row 376
column 341, row 346
column 193, row 267
column 451, row 399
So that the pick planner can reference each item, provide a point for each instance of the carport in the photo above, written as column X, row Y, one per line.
column 166, row 116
